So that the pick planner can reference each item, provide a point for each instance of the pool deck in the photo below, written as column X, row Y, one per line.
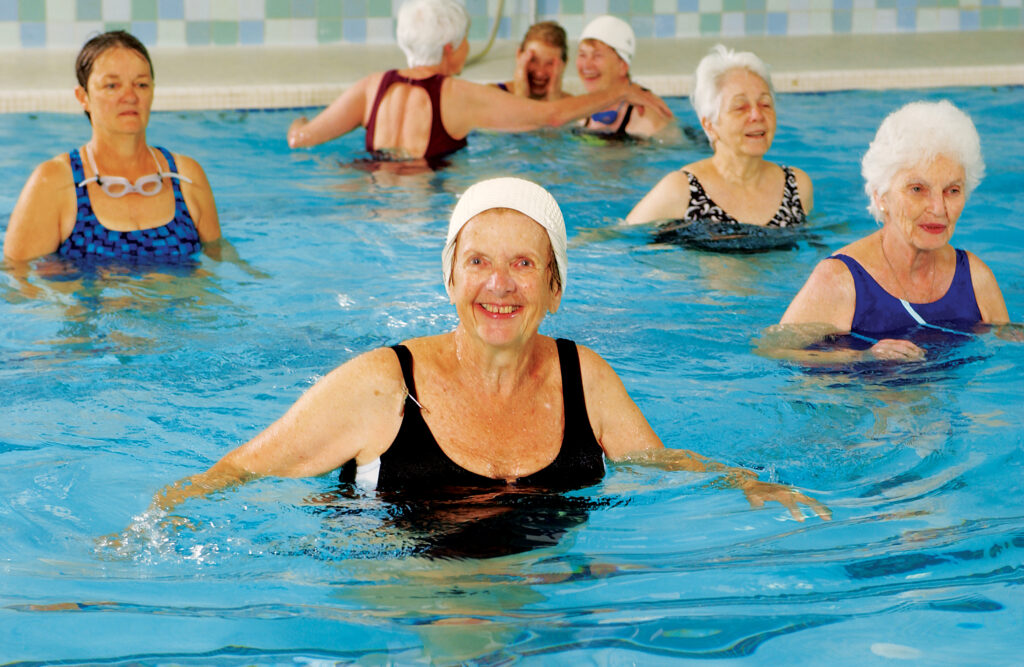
column 269, row 77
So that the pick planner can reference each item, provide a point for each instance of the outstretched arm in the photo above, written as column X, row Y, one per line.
column 625, row 435
column 466, row 106
column 341, row 117
column 354, row 412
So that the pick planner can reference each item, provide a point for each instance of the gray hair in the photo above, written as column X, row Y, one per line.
column 918, row 133
column 426, row 26
column 707, row 81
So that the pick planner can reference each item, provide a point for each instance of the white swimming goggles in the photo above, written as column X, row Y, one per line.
column 149, row 185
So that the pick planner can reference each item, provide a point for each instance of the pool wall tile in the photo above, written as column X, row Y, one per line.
column 59, row 24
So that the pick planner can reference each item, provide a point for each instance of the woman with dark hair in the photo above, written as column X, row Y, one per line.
column 540, row 63
column 107, row 199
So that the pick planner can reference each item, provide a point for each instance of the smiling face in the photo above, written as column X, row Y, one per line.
column 501, row 277
column 746, row 115
column 119, row 92
column 542, row 67
column 599, row 66
column 925, row 201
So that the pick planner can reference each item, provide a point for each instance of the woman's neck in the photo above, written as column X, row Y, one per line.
column 498, row 371
column 738, row 169
column 128, row 151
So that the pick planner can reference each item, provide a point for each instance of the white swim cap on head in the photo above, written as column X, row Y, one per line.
column 614, row 32
column 517, row 194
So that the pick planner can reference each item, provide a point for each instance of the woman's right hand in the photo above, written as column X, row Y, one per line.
column 893, row 349
column 644, row 100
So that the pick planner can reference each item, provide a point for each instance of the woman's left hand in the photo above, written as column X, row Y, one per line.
column 759, row 492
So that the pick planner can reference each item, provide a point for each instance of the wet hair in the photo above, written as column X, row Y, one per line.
column 917, row 133
column 549, row 33
column 98, row 45
column 426, row 26
column 707, row 82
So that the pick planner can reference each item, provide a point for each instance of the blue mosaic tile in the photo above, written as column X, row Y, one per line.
column 688, row 6
column 250, row 32
column 776, row 23
column 620, row 8
column 906, row 4
column 842, row 22
column 755, row 5
column 88, row 10
column 643, row 26
column 476, row 7
column 173, row 10
column 906, row 19
column 305, row 9
column 549, row 7
column 8, row 10
column 989, row 3
column 842, row 5
column 664, row 25
column 145, row 31
column 753, row 23
column 505, row 28
column 355, row 9
column 33, row 34
column 197, row 33
column 354, row 30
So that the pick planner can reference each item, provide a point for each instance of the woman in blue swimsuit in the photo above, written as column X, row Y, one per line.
column 735, row 101
column 919, row 171
column 116, row 196
column 492, row 405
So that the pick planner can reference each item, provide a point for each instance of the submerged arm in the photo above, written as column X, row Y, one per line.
column 34, row 228
column 353, row 412
column 626, row 436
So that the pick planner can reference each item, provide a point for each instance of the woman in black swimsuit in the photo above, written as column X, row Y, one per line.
column 734, row 99
column 492, row 405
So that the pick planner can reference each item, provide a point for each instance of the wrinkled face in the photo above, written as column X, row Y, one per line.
column 543, row 66
column 925, row 201
column 119, row 92
column 599, row 66
column 746, row 116
column 501, row 280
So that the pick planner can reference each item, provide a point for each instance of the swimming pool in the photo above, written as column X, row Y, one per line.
column 117, row 381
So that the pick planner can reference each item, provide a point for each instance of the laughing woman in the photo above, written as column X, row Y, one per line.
column 493, row 405
column 115, row 196
column 734, row 99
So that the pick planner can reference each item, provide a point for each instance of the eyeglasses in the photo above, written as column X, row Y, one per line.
column 149, row 185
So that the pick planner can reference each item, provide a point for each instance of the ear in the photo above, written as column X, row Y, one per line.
column 556, row 301
column 83, row 97
column 708, row 129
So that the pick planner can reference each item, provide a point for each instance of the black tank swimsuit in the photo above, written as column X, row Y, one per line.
column 416, row 462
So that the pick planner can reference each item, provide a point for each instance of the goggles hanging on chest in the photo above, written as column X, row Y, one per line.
column 149, row 185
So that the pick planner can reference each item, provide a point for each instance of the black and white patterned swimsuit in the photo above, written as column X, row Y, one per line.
column 702, row 207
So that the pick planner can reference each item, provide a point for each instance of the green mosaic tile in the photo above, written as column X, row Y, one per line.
column 329, row 9
column 328, row 31
column 642, row 7
column 116, row 25
column 990, row 17
column 479, row 30
column 224, row 33
column 279, row 9
column 144, row 10
column 31, row 10
column 733, row 5
column 949, row 3
column 1011, row 17
column 379, row 9
column 572, row 6
column 710, row 24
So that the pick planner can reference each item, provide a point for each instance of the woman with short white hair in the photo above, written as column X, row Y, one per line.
column 423, row 111
column 919, row 171
column 735, row 101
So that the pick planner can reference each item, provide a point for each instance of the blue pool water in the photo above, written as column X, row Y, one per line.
column 116, row 381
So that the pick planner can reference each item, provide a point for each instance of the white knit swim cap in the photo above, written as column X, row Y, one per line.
column 517, row 194
column 614, row 32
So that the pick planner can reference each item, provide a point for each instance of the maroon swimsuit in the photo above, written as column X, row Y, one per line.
column 441, row 143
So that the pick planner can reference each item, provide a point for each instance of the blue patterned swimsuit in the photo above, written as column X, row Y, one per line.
column 177, row 240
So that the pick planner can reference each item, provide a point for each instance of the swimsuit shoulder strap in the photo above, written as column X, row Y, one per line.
column 573, row 400
column 77, row 170
column 386, row 80
column 621, row 129
column 405, row 361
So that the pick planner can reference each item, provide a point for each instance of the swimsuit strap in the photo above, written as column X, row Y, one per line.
column 405, row 361
column 621, row 130
column 573, row 402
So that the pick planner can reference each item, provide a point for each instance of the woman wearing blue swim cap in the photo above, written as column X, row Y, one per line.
column 116, row 197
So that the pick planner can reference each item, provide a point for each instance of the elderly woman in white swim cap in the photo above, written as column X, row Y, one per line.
column 492, row 404
column 920, row 169
column 735, row 101
column 424, row 111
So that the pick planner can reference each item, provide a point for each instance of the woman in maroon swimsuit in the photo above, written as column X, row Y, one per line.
column 423, row 111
